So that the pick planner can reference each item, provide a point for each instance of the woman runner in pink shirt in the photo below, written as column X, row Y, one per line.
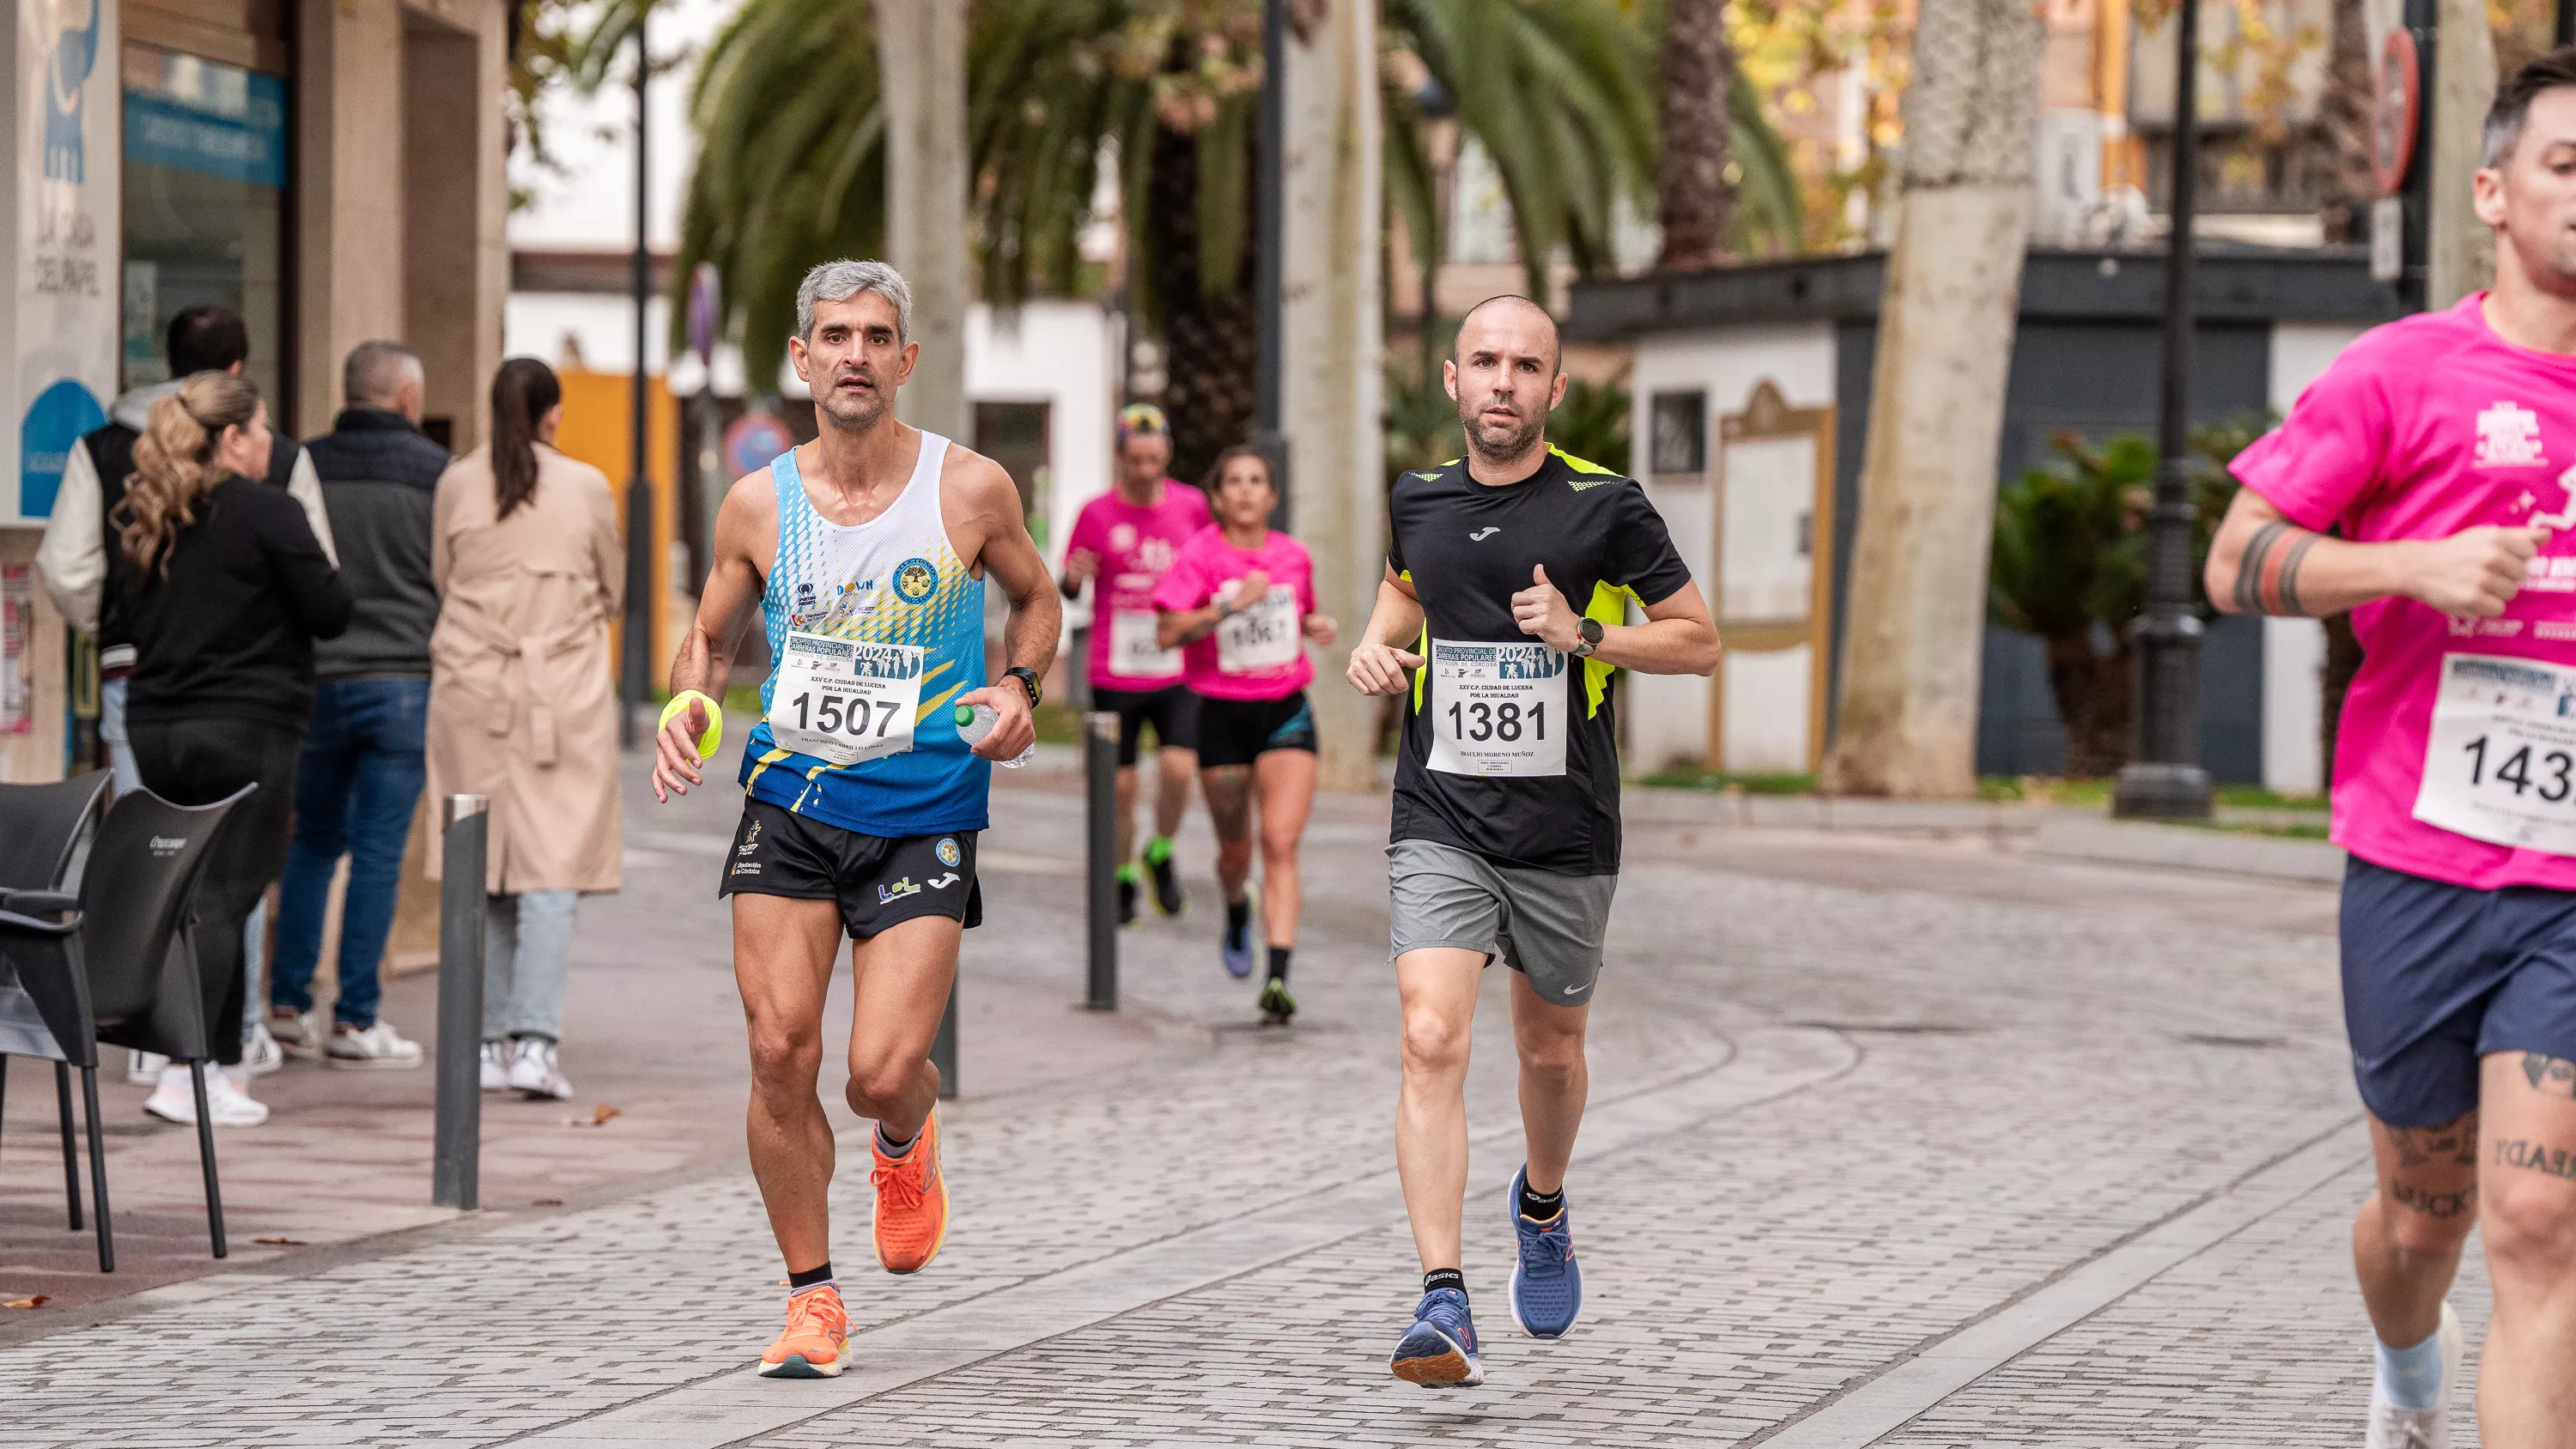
column 1241, row 600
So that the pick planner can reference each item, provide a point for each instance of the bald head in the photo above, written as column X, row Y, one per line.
column 1503, row 374
column 1518, row 318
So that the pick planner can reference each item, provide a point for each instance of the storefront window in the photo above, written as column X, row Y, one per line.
column 205, row 206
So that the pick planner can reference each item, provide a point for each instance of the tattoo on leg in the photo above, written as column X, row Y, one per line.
column 2557, row 1162
column 2433, row 1204
column 2456, row 1139
column 2549, row 1074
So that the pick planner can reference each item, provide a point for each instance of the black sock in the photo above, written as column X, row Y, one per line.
column 1238, row 923
column 1538, row 1207
column 1279, row 962
column 1439, row 1278
column 811, row 1277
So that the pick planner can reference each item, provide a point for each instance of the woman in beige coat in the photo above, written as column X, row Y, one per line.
column 523, row 704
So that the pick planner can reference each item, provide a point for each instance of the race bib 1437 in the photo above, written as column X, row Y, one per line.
column 2500, row 759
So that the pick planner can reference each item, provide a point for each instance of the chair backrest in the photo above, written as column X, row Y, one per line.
column 40, row 827
column 134, row 895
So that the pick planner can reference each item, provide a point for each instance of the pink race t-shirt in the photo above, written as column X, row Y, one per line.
column 2422, row 428
column 1135, row 545
column 1258, row 652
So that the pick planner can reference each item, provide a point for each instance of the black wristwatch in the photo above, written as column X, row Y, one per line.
column 1590, row 629
column 1028, row 679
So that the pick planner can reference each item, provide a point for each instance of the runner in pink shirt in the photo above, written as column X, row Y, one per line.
column 1240, row 601
column 2440, row 448
column 1122, row 542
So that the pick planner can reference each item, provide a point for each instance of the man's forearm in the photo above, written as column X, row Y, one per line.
column 1395, row 620
column 700, row 662
column 1659, row 646
column 1029, row 639
column 2284, row 569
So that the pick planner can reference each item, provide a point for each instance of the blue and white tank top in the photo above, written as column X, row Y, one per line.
column 894, row 579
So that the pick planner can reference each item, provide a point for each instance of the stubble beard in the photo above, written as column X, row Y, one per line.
column 850, row 414
column 1496, row 444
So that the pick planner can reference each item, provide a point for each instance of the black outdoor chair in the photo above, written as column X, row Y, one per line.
column 117, row 963
column 42, row 830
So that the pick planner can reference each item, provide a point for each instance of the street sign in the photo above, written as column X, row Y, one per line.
column 2397, row 97
column 754, row 439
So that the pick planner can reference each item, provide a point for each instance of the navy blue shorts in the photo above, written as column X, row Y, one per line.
column 2436, row 976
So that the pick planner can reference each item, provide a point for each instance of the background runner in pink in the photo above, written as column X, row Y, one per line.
column 1135, row 544
column 1206, row 563
column 2424, row 427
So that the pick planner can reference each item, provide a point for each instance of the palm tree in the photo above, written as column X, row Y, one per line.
column 791, row 156
column 1692, row 199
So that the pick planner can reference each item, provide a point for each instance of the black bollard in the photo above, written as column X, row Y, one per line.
column 1100, row 863
column 455, row 1177
column 943, row 1047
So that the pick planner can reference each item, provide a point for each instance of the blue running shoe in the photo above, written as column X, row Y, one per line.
column 1235, row 949
column 1439, row 1350
column 1547, row 1289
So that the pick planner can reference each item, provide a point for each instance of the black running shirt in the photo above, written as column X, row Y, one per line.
column 1467, row 549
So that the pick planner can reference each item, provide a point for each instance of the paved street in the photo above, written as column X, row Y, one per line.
column 1902, row 1141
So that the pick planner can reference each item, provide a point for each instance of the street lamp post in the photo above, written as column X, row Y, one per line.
column 2166, row 779
column 1271, row 265
column 636, row 665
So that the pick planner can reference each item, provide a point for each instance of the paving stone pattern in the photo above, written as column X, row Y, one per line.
column 2028, row 1086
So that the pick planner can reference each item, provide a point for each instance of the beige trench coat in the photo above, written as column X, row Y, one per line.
column 522, row 698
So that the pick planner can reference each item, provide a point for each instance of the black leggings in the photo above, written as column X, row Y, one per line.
column 198, row 762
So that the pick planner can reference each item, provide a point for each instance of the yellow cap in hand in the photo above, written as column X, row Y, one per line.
column 714, row 736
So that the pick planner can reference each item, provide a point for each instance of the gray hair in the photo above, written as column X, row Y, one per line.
column 840, row 281
column 375, row 371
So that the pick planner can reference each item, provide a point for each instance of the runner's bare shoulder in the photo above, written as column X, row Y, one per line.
column 976, row 498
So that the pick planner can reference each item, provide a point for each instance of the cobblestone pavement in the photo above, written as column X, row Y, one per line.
column 1916, row 1143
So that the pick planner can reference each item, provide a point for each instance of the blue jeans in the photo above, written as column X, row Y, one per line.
column 364, row 764
column 527, row 952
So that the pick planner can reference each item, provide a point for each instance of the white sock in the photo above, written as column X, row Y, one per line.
column 2410, row 1378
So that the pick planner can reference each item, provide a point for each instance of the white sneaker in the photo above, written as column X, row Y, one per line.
column 378, row 1048
column 496, row 1066
column 144, row 1068
column 261, row 1054
column 299, row 1032
column 533, row 1071
column 2394, row 1428
column 174, row 1099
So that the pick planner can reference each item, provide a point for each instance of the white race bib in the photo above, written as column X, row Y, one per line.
column 2500, row 760
column 1134, row 652
column 1497, row 709
column 1260, row 638
column 843, row 701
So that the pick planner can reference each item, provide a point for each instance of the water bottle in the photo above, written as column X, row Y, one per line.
column 974, row 721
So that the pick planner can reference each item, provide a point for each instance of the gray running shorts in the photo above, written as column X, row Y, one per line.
column 1546, row 926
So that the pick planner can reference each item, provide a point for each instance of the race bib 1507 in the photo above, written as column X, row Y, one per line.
column 2500, row 759
column 844, row 700
column 1497, row 709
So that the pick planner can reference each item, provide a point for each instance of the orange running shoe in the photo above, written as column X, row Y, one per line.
column 912, row 1203
column 818, row 1333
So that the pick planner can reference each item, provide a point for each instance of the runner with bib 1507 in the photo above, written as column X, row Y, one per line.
column 865, row 553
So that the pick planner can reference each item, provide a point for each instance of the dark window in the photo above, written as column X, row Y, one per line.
column 1680, row 440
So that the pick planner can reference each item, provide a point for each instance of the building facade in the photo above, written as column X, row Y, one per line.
column 331, row 169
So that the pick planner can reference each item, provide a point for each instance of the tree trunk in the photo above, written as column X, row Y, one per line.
column 921, row 53
column 2343, row 113
column 2460, row 255
column 1693, row 198
column 1211, row 340
column 1913, row 645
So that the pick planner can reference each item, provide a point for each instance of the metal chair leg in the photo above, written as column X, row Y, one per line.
column 206, row 1158
column 71, row 1155
column 97, row 1170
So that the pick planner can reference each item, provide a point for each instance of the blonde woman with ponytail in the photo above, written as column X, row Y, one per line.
column 224, row 588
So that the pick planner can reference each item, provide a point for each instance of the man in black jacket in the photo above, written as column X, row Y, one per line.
column 364, row 762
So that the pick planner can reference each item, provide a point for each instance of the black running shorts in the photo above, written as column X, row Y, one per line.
column 876, row 881
column 1239, row 731
column 1173, row 712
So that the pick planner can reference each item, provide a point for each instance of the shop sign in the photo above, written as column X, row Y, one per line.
column 64, row 248
column 754, row 439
